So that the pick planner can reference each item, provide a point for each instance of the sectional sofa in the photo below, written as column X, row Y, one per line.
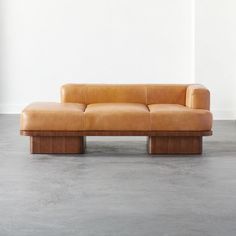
column 173, row 117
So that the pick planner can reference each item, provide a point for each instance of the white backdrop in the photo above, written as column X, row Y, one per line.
column 50, row 42
column 216, row 53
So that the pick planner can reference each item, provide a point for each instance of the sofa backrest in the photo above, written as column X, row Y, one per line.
column 132, row 93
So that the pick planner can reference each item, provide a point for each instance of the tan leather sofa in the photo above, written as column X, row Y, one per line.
column 173, row 117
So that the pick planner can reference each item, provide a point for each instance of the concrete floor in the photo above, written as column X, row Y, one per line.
column 117, row 189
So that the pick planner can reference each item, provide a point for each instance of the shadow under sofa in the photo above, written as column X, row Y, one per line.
column 173, row 117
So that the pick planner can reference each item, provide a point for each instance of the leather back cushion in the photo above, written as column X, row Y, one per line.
column 135, row 93
column 166, row 94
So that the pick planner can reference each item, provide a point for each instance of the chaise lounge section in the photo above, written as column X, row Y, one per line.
column 173, row 117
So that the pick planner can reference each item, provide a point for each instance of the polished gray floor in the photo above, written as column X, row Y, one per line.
column 117, row 189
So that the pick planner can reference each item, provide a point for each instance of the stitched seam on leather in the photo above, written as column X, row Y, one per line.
column 86, row 103
column 146, row 93
column 149, row 119
column 192, row 100
column 149, row 113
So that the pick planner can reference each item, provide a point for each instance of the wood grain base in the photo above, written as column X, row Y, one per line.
column 159, row 142
column 115, row 133
column 57, row 144
column 175, row 145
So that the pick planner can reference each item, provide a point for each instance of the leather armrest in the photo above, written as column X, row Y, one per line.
column 198, row 97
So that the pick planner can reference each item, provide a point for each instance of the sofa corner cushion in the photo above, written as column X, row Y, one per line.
column 52, row 116
column 173, row 117
column 117, row 116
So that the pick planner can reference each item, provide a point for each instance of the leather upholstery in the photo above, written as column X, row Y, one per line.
column 52, row 116
column 123, row 107
column 135, row 93
column 116, row 116
column 198, row 97
column 73, row 93
column 166, row 94
column 103, row 93
column 173, row 117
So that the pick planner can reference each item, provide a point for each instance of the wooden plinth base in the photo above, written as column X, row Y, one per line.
column 159, row 142
column 175, row 145
column 57, row 144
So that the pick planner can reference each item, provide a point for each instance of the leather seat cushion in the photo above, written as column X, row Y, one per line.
column 173, row 117
column 53, row 116
column 117, row 116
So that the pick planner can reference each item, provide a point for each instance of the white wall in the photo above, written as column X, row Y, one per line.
column 215, row 46
column 50, row 42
